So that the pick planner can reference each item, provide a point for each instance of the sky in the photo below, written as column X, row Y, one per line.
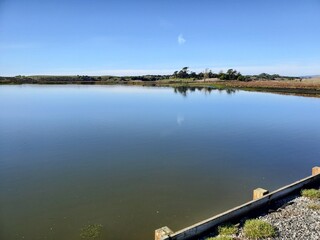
column 70, row 37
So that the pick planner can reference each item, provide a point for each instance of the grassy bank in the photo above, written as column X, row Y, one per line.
column 305, row 87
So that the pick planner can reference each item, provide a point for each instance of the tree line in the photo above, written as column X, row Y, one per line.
column 184, row 73
column 230, row 74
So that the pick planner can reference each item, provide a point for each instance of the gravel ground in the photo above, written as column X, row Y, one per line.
column 293, row 219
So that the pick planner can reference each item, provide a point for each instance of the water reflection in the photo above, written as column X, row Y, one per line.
column 139, row 158
column 184, row 90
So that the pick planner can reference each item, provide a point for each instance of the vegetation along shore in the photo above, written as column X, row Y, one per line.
column 230, row 79
column 295, row 217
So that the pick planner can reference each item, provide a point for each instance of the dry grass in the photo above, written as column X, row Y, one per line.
column 220, row 238
column 305, row 84
column 314, row 206
column 312, row 80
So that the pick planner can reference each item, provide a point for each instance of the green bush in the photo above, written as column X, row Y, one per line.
column 257, row 229
column 311, row 193
column 91, row 231
column 228, row 229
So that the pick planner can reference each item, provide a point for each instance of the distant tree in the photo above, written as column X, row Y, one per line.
column 232, row 74
column 205, row 74
column 200, row 75
column 211, row 74
column 193, row 75
column 183, row 73
column 185, row 69
column 222, row 75
column 242, row 78
column 264, row 76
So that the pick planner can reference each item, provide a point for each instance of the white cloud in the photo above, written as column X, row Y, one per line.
column 180, row 120
column 181, row 39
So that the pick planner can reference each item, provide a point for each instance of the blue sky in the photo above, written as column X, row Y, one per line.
column 141, row 37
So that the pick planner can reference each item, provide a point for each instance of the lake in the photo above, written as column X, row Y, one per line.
column 135, row 159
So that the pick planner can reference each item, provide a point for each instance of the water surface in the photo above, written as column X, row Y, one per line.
column 135, row 158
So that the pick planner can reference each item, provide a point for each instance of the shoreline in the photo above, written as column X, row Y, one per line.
column 292, row 218
column 264, row 205
column 306, row 88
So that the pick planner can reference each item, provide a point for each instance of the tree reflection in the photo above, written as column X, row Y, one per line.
column 184, row 90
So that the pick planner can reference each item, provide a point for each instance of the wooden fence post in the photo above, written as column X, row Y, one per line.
column 162, row 233
column 315, row 171
column 259, row 193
